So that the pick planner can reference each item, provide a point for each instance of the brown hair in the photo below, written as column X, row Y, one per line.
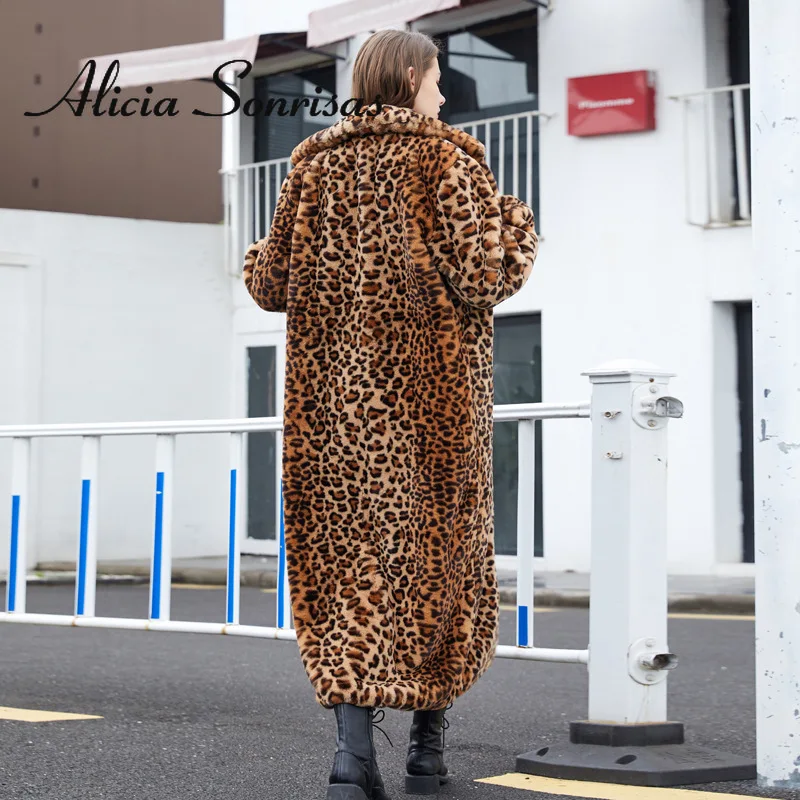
column 381, row 67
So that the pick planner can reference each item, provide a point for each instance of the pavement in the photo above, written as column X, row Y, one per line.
column 195, row 717
column 687, row 593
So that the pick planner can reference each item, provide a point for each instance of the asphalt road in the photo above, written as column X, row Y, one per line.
column 190, row 716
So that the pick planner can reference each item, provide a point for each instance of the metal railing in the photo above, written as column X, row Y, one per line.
column 251, row 191
column 629, row 411
column 512, row 151
column 716, row 130
column 161, row 558
column 250, row 195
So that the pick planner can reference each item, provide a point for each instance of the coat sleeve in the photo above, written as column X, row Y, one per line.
column 486, row 241
column 266, row 263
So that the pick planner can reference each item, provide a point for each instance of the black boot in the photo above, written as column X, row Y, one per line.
column 425, row 767
column 355, row 774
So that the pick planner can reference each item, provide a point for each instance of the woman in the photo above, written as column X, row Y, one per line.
column 389, row 248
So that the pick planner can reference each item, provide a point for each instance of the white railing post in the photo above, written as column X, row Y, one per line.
column 235, row 218
column 628, row 614
column 284, row 604
column 231, row 264
column 526, row 470
column 515, row 151
column 86, row 578
column 712, row 165
column 234, row 531
column 501, row 170
column 258, row 231
column 246, row 177
column 529, row 162
column 17, row 581
column 272, row 173
column 161, row 564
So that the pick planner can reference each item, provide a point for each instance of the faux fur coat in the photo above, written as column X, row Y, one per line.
column 388, row 250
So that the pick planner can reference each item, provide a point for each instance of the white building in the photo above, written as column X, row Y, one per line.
column 645, row 253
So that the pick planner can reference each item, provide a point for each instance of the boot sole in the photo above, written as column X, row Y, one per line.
column 345, row 791
column 425, row 784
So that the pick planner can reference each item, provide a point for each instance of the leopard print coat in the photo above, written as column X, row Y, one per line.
column 388, row 250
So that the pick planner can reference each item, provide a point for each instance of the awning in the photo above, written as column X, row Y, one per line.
column 179, row 63
column 334, row 23
column 328, row 24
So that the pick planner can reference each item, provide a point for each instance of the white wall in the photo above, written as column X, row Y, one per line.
column 620, row 273
column 132, row 320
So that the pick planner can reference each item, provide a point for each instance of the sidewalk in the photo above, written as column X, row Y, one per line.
column 687, row 593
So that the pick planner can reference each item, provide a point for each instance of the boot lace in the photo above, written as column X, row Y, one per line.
column 445, row 723
column 376, row 719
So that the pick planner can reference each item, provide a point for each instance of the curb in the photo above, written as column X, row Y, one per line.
column 714, row 603
column 730, row 604
column 68, row 578
column 136, row 576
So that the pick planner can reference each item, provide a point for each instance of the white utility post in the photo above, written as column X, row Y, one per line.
column 628, row 653
column 627, row 737
column 775, row 138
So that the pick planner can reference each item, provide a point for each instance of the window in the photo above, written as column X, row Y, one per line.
column 261, row 446
column 275, row 135
column 744, row 363
column 716, row 122
column 491, row 70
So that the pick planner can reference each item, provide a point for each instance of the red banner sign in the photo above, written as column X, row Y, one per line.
column 622, row 102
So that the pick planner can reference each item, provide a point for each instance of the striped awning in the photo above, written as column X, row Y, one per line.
column 178, row 63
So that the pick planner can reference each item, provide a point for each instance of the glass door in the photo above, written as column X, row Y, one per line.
column 263, row 357
column 744, row 349
column 517, row 379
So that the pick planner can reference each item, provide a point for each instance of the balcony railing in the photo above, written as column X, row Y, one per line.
column 251, row 190
column 716, row 127
column 250, row 194
column 512, row 152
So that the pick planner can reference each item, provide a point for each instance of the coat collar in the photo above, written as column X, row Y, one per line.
column 389, row 119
